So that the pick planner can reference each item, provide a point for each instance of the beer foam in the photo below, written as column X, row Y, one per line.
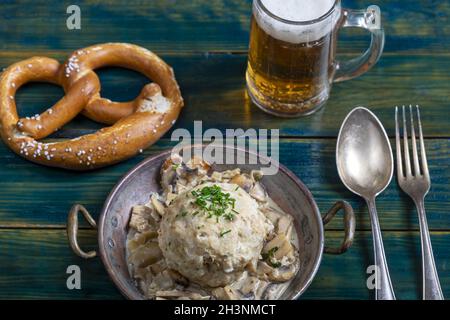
column 297, row 11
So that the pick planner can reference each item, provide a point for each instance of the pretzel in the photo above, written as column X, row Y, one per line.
column 135, row 125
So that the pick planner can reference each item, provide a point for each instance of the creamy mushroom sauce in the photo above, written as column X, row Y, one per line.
column 177, row 250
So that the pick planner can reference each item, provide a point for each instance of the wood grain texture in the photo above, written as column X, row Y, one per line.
column 33, row 266
column 214, row 90
column 206, row 43
column 198, row 25
column 33, row 195
column 344, row 277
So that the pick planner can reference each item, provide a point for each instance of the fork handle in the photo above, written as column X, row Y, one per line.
column 384, row 289
column 431, row 286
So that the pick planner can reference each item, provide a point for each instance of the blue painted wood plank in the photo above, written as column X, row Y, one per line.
column 33, row 266
column 200, row 25
column 215, row 85
column 32, row 195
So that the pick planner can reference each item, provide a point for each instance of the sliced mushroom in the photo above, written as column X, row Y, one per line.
column 199, row 165
column 158, row 267
column 168, row 179
column 158, row 205
column 174, row 160
column 285, row 225
column 281, row 274
column 271, row 214
column 143, row 274
column 261, row 289
column 189, row 174
column 139, row 220
column 225, row 293
column 142, row 219
column 178, row 278
column 181, row 186
column 181, row 295
column 269, row 292
column 256, row 175
column 140, row 239
column 141, row 211
column 252, row 266
column 258, row 192
column 280, row 246
column 249, row 287
column 228, row 174
column 217, row 176
column 146, row 255
column 263, row 269
column 169, row 171
column 190, row 169
column 244, row 181
column 162, row 281
column 169, row 197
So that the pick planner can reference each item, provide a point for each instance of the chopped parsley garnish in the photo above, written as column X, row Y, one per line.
column 275, row 264
column 181, row 214
column 268, row 257
column 224, row 233
column 214, row 202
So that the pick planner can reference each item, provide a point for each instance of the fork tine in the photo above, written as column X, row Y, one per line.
column 414, row 145
column 405, row 145
column 398, row 148
column 423, row 154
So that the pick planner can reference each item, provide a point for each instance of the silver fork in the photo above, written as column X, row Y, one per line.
column 417, row 184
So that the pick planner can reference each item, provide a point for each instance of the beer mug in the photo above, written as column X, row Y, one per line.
column 292, row 52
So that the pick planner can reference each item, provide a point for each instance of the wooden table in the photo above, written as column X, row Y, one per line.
column 206, row 41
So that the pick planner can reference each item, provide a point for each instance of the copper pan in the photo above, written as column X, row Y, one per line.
column 285, row 188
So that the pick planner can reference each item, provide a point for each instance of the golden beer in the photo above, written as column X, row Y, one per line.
column 292, row 54
column 290, row 74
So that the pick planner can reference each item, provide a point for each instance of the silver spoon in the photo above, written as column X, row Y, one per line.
column 365, row 164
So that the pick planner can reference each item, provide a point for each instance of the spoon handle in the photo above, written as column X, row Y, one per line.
column 383, row 290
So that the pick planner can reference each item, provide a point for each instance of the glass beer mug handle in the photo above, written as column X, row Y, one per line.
column 370, row 20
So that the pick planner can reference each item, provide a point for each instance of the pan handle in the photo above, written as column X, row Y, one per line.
column 349, row 226
column 72, row 230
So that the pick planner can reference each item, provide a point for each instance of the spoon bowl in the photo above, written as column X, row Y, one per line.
column 364, row 158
